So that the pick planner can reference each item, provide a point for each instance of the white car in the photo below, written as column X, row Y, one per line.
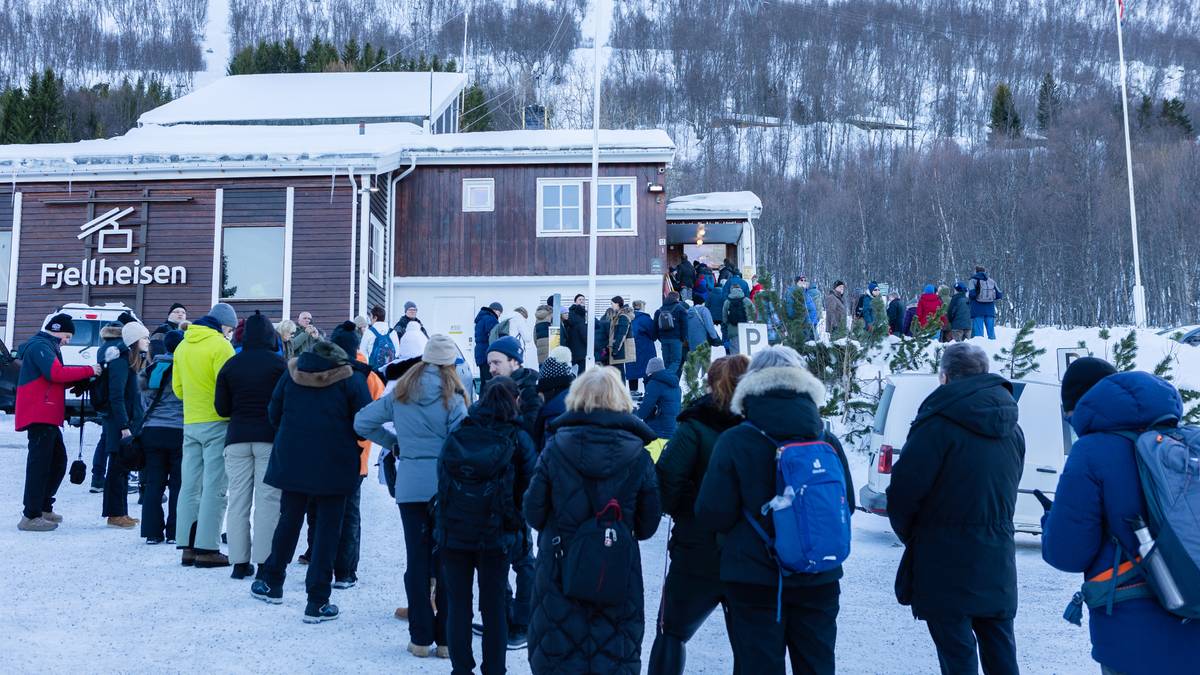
column 1188, row 335
column 1048, row 439
column 88, row 320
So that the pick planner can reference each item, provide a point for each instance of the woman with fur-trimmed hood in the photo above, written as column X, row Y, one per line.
column 779, row 398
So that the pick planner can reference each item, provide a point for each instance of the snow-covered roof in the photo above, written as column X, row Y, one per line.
column 169, row 151
column 714, row 205
column 312, row 98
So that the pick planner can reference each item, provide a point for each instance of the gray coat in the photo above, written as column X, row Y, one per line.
column 168, row 412
column 835, row 312
column 421, row 427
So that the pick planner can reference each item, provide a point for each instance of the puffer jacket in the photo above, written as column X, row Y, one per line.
column 952, row 498
column 661, row 403
column 421, row 427
column 605, row 447
column 485, row 321
column 155, row 382
column 620, row 327
column 643, row 338
column 124, row 410
column 1098, row 492
column 958, row 314
column 681, row 469
column 541, row 331
column 526, row 380
column 553, row 393
column 782, row 402
column 574, row 335
column 313, row 407
column 42, row 382
column 198, row 359
column 927, row 306
column 247, row 382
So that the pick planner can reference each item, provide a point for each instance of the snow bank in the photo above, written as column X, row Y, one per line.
column 715, row 202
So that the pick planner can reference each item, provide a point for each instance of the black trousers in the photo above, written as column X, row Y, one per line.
column 806, row 632
column 520, row 605
column 425, row 626
column 458, row 571
column 963, row 643
column 164, row 455
column 345, row 565
column 116, row 481
column 45, row 466
column 327, row 526
column 687, row 601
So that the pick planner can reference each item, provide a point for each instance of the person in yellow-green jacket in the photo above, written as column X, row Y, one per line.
column 202, row 495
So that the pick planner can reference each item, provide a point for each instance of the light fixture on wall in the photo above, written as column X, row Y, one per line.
column 655, row 188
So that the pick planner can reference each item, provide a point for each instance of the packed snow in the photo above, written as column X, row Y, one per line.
column 697, row 205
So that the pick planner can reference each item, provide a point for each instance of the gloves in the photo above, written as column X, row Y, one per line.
column 1043, row 500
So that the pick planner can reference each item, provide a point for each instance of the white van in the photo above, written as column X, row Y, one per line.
column 1048, row 439
column 88, row 320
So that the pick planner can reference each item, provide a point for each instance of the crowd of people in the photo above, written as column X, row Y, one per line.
column 259, row 431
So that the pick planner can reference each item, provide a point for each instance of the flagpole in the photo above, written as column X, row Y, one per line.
column 595, row 185
column 1139, row 292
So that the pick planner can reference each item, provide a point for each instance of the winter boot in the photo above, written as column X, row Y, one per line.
column 123, row 522
column 52, row 516
column 517, row 637
column 210, row 559
column 263, row 591
column 189, row 557
column 38, row 524
column 345, row 582
column 315, row 613
column 242, row 571
column 442, row 652
column 402, row 613
column 420, row 651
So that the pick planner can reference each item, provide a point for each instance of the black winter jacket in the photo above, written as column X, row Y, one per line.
column 124, row 409
column 781, row 402
column 958, row 314
column 895, row 315
column 679, row 330
column 487, row 459
column 575, row 333
column 316, row 450
column 245, row 385
column 553, row 392
column 526, row 380
column 681, row 469
column 603, row 446
column 951, row 502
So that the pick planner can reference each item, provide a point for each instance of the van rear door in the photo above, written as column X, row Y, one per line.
column 1041, row 420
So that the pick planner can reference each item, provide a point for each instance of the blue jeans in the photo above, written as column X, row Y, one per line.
column 979, row 323
column 672, row 354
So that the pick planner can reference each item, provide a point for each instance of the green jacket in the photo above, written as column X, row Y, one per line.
column 198, row 359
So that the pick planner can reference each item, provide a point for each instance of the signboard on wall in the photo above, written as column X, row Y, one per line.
column 111, row 238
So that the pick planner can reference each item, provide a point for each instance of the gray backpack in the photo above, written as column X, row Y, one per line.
column 985, row 290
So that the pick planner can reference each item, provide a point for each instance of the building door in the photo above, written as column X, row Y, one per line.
column 455, row 316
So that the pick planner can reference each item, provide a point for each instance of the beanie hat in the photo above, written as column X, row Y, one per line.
column 132, row 332
column 224, row 314
column 360, row 323
column 508, row 346
column 839, row 282
column 329, row 351
column 61, row 323
column 345, row 335
column 960, row 286
column 409, row 305
column 496, row 307
column 440, row 351
column 552, row 368
column 561, row 354
column 412, row 344
column 929, row 288
column 655, row 364
column 176, row 306
column 172, row 339
column 1081, row 376
column 872, row 286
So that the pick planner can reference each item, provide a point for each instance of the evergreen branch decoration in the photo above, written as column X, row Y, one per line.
column 695, row 370
column 1124, row 356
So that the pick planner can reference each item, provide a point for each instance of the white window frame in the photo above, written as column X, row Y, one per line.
column 378, row 248
column 468, row 184
column 585, row 213
column 561, row 182
column 631, row 182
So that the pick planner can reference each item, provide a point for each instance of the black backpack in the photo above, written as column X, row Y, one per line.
column 475, row 502
column 736, row 314
column 97, row 390
column 602, row 557
column 859, row 303
column 666, row 320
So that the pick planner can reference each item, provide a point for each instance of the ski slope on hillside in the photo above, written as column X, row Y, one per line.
column 216, row 43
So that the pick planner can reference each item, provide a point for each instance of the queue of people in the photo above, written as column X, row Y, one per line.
column 242, row 437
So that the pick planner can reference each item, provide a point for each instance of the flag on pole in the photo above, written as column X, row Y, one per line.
column 1121, row 3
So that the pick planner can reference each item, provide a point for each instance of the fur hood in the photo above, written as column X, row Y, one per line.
column 325, row 365
column 111, row 332
column 543, row 313
column 762, row 381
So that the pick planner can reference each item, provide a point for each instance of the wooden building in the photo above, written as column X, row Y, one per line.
column 286, row 203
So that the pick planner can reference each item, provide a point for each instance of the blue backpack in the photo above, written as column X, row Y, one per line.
column 810, row 512
column 383, row 351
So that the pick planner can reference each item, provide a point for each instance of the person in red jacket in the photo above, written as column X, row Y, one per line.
column 41, row 407
column 928, row 305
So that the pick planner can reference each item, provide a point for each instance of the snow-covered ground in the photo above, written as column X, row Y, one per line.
column 89, row 599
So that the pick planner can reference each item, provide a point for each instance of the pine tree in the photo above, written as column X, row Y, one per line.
column 1145, row 112
column 1125, row 353
column 292, row 61
column 1191, row 406
column 242, row 62
column 351, row 53
column 1163, row 368
column 1022, row 358
column 1174, row 116
column 16, row 122
column 475, row 115
column 1049, row 106
column 695, row 370
column 912, row 352
column 1005, row 122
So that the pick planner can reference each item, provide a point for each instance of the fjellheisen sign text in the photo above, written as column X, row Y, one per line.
column 98, row 273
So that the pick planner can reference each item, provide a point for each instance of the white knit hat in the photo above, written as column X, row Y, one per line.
column 561, row 354
column 132, row 332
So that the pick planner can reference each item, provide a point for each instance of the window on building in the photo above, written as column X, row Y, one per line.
column 614, row 206
column 252, row 263
column 560, row 207
column 479, row 194
column 5, row 259
column 376, row 250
